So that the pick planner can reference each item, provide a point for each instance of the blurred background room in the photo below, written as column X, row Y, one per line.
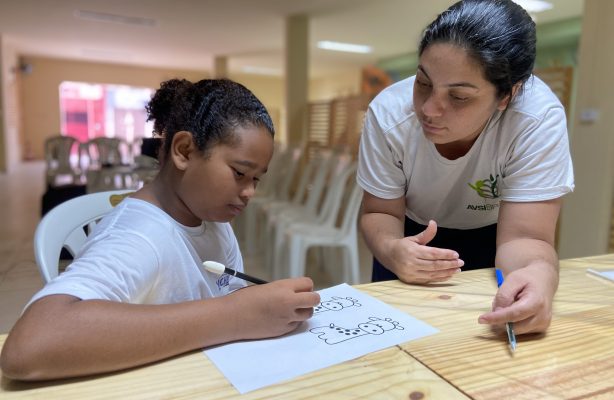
column 75, row 76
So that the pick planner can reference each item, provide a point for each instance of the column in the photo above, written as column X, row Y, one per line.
column 297, row 78
column 220, row 67
column 586, row 215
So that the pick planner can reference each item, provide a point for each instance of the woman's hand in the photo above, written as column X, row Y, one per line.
column 525, row 253
column 415, row 262
column 275, row 308
column 524, row 298
column 382, row 225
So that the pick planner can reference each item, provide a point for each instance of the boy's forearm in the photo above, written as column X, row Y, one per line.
column 86, row 337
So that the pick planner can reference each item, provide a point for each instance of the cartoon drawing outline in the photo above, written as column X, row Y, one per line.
column 333, row 334
column 336, row 303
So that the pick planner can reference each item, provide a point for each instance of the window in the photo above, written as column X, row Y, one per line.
column 90, row 110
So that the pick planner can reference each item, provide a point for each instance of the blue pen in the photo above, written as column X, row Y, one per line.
column 508, row 325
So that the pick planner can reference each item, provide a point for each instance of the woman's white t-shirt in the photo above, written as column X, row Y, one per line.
column 522, row 155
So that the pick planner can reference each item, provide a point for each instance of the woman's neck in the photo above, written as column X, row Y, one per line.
column 455, row 150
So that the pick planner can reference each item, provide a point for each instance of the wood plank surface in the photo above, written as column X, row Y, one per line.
column 386, row 374
column 574, row 360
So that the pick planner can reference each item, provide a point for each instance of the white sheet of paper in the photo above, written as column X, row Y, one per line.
column 347, row 324
column 604, row 274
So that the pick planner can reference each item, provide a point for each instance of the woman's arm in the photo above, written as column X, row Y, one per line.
column 382, row 225
column 62, row 336
column 526, row 255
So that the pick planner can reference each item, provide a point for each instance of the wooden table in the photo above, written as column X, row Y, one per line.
column 574, row 360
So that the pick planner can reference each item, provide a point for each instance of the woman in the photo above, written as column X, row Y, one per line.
column 465, row 163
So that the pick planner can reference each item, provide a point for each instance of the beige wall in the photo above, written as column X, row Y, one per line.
column 341, row 84
column 3, row 78
column 586, row 216
column 40, row 91
column 270, row 91
column 40, row 110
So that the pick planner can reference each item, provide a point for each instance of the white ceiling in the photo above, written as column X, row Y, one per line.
column 188, row 34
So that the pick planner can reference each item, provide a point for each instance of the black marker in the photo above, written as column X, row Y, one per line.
column 218, row 268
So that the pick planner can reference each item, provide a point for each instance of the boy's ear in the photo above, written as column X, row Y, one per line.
column 182, row 146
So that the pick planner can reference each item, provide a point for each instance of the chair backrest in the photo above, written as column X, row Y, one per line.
column 270, row 180
column 330, row 209
column 67, row 224
column 316, row 186
column 291, row 161
column 60, row 166
column 351, row 209
column 305, row 176
column 57, row 153
column 104, row 151
column 58, row 148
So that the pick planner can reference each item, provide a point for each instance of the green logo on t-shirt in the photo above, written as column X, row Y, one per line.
column 486, row 188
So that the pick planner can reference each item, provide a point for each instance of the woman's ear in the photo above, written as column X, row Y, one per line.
column 504, row 102
column 182, row 146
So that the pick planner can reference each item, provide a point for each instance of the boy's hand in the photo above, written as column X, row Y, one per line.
column 275, row 308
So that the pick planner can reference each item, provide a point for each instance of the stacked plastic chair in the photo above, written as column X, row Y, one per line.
column 275, row 187
column 59, row 165
column 300, row 237
column 326, row 202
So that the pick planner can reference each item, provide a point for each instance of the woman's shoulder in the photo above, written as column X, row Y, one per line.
column 535, row 100
column 394, row 104
column 398, row 93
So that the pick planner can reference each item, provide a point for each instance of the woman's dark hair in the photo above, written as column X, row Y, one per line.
column 209, row 109
column 499, row 34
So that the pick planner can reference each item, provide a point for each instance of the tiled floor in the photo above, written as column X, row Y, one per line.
column 20, row 204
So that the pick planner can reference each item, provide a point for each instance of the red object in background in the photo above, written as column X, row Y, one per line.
column 82, row 111
column 92, row 110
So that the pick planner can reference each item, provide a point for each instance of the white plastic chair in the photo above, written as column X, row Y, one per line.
column 326, row 216
column 67, row 226
column 104, row 151
column 299, row 238
column 299, row 198
column 275, row 186
column 119, row 177
column 58, row 151
column 276, row 219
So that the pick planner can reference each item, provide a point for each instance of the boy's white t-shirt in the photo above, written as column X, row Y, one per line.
column 139, row 254
column 522, row 155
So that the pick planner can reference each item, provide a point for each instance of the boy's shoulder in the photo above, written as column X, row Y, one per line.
column 137, row 215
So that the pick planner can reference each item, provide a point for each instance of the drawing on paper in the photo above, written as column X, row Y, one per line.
column 333, row 334
column 335, row 304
